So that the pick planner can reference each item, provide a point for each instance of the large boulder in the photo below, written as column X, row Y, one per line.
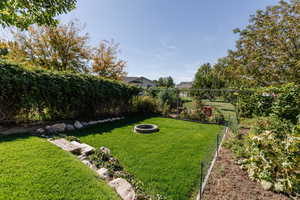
column 85, row 148
column 61, row 127
column 123, row 188
column 66, row 145
column 40, row 131
column 70, row 127
column 104, row 173
column 78, row 125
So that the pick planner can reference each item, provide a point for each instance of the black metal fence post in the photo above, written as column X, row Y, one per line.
column 201, row 178
column 217, row 150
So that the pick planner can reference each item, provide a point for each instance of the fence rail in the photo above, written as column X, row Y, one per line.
column 204, row 175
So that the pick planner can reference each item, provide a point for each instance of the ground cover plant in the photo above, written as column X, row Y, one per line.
column 33, row 168
column 167, row 162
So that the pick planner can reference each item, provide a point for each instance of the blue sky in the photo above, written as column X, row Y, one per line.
column 166, row 37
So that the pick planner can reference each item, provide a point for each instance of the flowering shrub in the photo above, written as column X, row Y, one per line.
column 273, row 149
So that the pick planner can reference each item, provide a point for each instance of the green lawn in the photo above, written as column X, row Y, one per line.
column 31, row 168
column 167, row 161
column 227, row 109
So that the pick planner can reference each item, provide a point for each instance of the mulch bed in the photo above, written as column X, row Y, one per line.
column 228, row 182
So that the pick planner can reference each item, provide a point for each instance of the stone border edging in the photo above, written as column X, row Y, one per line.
column 201, row 190
column 121, row 186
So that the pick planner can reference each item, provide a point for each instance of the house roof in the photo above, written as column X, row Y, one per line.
column 185, row 85
column 131, row 79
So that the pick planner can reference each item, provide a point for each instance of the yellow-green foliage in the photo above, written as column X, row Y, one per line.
column 273, row 148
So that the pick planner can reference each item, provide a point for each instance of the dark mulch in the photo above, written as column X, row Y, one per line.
column 228, row 182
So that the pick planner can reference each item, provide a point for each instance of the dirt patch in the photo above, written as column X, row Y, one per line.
column 228, row 182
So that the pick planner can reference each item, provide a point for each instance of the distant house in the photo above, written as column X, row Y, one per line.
column 184, row 87
column 139, row 81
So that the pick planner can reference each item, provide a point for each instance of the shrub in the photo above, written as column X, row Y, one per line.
column 287, row 104
column 28, row 94
column 273, row 154
column 169, row 97
column 282, row 101
column 145, row 105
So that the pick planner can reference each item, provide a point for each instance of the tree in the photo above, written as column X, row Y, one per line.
column 208, row 77
column 106, row 63
column 167, row 82
column 268, row 50
column 61, row 48
column 23, row 13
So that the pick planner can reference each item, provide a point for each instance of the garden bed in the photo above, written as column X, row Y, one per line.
column 228, row 181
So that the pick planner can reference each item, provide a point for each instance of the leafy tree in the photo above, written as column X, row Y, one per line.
column 106, row 63
column 268, row 50
column 167, row 82
column 61, row 48
column 207, row 77
column 23, row 13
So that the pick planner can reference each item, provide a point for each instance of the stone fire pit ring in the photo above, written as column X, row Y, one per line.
column 146, row 128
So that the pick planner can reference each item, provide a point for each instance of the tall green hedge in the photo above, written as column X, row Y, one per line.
column 38, row 95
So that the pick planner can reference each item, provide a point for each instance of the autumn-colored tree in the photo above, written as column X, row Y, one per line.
column 106, row 63
column 268, row 50
column 61, row 48
column 23, row 13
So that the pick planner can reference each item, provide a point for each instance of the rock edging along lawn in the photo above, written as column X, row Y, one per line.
column 106, row 166
column 62, row 127
column 84, row 151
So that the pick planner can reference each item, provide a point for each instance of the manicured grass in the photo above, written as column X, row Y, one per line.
column 227, row 109
column 168, row 162
column 33, row 169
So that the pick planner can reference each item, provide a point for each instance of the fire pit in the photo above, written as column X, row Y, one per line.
column 146, row 128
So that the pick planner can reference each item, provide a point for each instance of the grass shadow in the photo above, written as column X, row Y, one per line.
column 109, row 126
column 9, row 138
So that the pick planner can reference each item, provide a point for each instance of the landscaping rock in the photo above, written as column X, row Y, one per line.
column 93, row 123
column 40, row 131
column 105, row 150
column 89, row 164
column 123, row 188
column 57, row 128
column 266, row 185
column 70, row 127
column 78, row 125
column 85, row 148
column 66, row 145
column 104, row 173
column 84, row 123
column 82, row 157
column 49, row 129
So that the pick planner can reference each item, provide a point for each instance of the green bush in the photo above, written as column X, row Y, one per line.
column 145, row 105
column 282, row 101
column 38, row 94
column 169, row 97
column 273, row 149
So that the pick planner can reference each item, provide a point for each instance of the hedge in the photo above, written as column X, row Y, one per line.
column 44, row 95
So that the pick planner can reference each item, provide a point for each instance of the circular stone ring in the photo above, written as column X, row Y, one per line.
column 146, row 128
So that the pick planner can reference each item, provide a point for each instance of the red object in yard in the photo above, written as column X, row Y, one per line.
column 207, row 110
